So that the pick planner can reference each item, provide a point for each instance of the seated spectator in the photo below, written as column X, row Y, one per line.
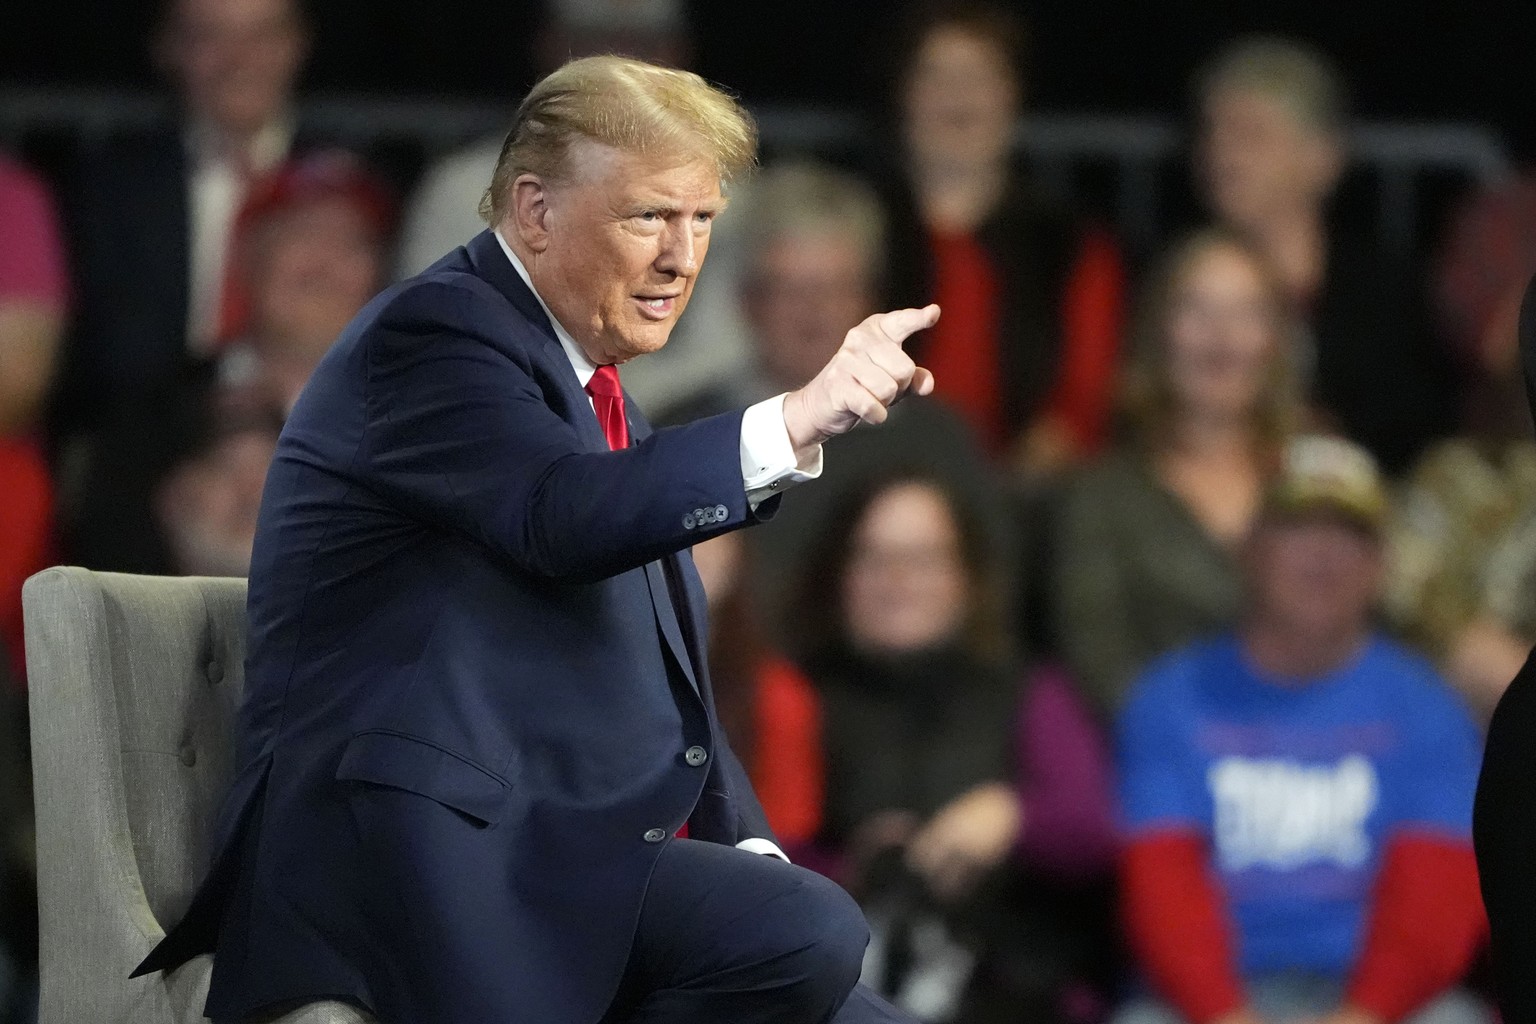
column 309, row 253
column 1298, row 792
column 1270, row 153
column 155, row 213
column 1462, row 576
column 1148, row 538
column 153, row 217
column 208, row 504
column 311, row 246
column 33, row 298
column 1027, row 346
column 965, row 839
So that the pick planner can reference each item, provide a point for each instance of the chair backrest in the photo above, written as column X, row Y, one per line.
column 134, row 682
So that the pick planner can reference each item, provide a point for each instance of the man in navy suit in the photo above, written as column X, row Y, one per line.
column 478, row 713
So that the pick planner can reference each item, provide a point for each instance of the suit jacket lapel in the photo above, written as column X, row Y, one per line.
column 655, row 575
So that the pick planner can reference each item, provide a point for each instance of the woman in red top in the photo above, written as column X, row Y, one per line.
column 1027, row 345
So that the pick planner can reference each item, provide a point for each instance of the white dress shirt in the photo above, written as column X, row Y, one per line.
column 768, row 463
column 216, row 189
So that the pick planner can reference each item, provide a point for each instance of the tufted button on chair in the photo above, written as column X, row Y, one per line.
column 133, row 682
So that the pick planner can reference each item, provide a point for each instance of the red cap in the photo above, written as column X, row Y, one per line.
column 330, row 174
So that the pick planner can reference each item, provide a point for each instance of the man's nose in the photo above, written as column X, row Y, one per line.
column 678, row 253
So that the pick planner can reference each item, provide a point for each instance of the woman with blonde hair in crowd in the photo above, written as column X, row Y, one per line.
column 1148, row 537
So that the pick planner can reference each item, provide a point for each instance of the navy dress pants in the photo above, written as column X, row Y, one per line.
column 730, row 937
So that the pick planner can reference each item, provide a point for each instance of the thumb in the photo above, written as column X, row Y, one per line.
column 900, row 324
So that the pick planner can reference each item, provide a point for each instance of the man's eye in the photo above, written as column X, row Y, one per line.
column 704, row 216
column 649, row 215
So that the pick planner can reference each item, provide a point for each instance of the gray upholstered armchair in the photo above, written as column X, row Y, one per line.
column 133, row 686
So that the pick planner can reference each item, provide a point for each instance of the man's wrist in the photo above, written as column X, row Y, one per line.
column 803, row 435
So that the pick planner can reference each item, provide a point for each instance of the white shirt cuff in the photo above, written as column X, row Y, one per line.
column 762, row 846
column 768, row 464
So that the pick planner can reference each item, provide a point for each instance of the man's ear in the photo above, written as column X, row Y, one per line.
column 529, row 212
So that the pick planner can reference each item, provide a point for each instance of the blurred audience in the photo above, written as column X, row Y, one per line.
column 1298, row 792
column 1271, row 149
column 154, row 215
column 1463, row 580
column 34, row 296
column 1148, row 537
column 965, row 839
column 1026, row 348
column 311, row 250
column 209, row 502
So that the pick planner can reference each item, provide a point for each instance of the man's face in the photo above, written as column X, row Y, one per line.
column 617, row 247
column 1317, row 573
column 1257, row 159
column 236, row 60
column 805, row 292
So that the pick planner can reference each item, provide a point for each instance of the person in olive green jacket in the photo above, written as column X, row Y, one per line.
column 1147, row 540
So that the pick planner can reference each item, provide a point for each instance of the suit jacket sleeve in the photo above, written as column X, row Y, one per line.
column 460, row 433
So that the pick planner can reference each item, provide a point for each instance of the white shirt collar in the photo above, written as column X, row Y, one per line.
column 579, row 362
column 268, row 147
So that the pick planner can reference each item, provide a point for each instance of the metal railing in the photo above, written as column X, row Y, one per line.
column 1137, row 151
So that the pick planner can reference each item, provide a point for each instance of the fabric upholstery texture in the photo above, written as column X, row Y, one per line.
column 134, row 682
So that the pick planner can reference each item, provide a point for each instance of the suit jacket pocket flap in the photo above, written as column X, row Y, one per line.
column 419, row 766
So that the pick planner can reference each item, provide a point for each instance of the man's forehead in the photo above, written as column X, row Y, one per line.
column 642, row 176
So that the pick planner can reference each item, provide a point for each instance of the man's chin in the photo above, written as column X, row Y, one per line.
column 643, row 342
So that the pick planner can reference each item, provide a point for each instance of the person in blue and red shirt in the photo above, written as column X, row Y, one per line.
column 1298, row 794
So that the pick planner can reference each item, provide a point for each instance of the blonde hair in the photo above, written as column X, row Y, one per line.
column 629, row 105
column 1293, row 73
column 1148, row 404
column 803, row 197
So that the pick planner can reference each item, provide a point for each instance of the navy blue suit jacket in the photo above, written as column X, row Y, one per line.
column 476, row 664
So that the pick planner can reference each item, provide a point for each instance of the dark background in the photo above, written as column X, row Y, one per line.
column 1405, row 60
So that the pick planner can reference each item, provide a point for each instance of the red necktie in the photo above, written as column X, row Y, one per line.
column 608, row 403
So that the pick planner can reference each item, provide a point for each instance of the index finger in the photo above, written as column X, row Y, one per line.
column 900, row 324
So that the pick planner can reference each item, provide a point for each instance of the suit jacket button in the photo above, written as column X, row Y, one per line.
column 720, row 513
column 214, row 673
column 689, row 522
column 188, row 756
column 655, row 835
column 696, row 756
